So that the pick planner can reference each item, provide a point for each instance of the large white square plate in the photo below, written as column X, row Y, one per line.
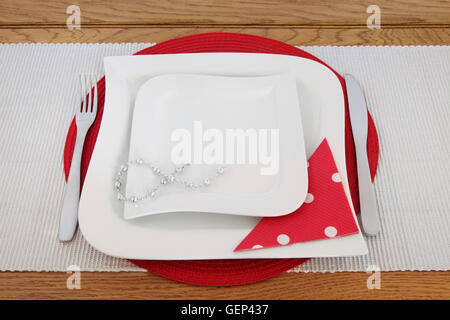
column 185, row 235
column 197, row 103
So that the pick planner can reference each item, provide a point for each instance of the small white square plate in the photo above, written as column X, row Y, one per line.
column 186, row 235
column 265, row 108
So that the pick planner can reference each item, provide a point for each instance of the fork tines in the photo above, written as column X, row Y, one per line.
column 89, row 94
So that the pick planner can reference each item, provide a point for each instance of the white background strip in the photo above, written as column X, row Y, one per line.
column 408, row 92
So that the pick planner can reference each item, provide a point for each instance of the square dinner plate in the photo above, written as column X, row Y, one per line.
column 265, row 109
column 196, row 235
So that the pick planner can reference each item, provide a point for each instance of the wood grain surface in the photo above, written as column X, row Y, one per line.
column 297, row 22
column 138, row 285
column 226, row 12
column 294, row 36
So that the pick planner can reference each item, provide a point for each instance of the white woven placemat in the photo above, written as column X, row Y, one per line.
column 408, row 91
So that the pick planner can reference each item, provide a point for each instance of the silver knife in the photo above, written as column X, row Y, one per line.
column 359, row 121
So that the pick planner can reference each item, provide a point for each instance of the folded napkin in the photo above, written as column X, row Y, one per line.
column 326, row 212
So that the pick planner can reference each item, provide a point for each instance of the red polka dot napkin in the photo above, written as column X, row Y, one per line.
column 325, row 213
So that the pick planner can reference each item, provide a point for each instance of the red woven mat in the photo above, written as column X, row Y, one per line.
column 238, row 271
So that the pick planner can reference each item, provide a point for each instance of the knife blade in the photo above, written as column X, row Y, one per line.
column 359, row 122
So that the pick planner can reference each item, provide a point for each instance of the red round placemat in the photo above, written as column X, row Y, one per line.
column 238, row 271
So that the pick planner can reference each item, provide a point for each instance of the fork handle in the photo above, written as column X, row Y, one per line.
column 69, row 211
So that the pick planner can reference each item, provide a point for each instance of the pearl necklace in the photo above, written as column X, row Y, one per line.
column 164, row 180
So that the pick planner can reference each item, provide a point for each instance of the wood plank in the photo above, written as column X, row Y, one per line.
column 219, row 12
column 294, row 36
column 138, row 285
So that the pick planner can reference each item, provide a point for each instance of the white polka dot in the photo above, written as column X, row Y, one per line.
column 309, row 198
column 257, row 246
column 336, row 177
column 283, row 239
column 330, row 232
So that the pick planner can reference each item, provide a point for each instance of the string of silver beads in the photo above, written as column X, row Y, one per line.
column 164, row 179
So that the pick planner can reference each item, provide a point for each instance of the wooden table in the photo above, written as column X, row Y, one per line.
column 322, row 22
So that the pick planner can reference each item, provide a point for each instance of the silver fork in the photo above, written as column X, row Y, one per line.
column 84, row 118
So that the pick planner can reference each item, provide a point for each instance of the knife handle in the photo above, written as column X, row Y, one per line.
column 367, row 202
